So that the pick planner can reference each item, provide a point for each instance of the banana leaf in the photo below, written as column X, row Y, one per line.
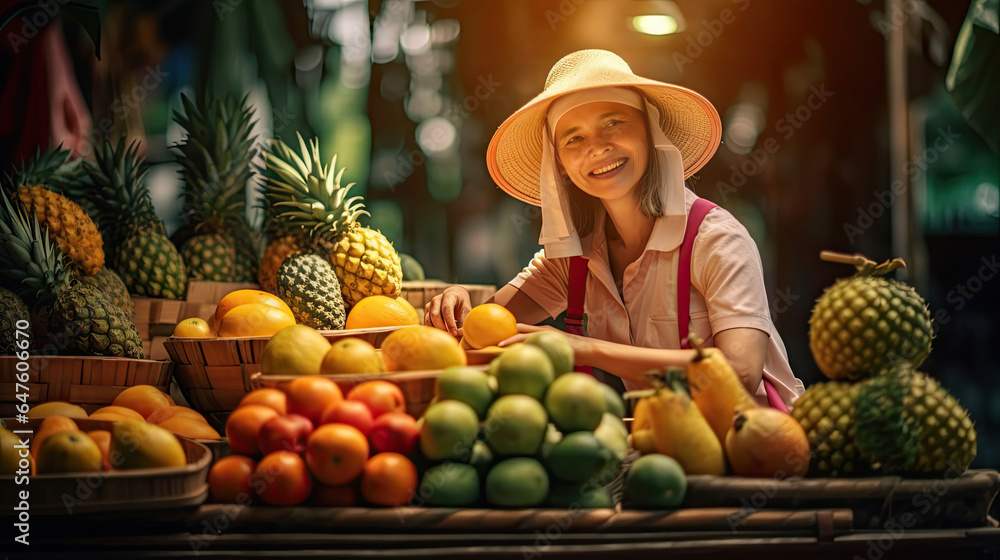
column 973, row 79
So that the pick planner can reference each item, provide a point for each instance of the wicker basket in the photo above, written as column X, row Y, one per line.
column 206, row 292
column 156, row 318
column 419, row 293
column 213, row 374
column 417, row 386
column 129, row 490
column 91, row 382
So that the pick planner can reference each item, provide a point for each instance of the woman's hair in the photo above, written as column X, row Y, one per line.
column 583, row 206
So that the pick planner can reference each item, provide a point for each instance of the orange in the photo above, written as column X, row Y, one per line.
column 241, row 297
column 388, row 479
column 310, row 395
column 243, row 428
column 351, row 355
column 52, row 425
column 271, row 398
column 193, row 327
column 282, row 479
column 103, row 440
column 189, row 428
column 118, row 411
column 380, row 311
column 144, row 399
column 254, row 319
column 488, row 325
column 421, row 348
column 336, row 453
column 67, row 452
column 379, row 396
column 57, row 407
column 110, row 416
column 230, row 480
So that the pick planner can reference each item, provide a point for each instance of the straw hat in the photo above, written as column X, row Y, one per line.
column 515, row 153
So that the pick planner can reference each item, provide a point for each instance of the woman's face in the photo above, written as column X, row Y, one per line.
column 603, row 148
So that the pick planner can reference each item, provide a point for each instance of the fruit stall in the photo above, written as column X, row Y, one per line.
column 227, row 231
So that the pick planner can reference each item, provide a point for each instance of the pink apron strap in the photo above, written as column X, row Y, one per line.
column 699, row 210
column 574, row 301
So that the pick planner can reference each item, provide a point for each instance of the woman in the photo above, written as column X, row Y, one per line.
column 605, row 154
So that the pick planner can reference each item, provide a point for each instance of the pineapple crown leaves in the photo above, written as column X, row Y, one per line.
column 312, row 193
column 215, row 160
column 52, row 168
column 28, row 257
column 121, row 195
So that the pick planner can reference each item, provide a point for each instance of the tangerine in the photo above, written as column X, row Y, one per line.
column 103, row 440
column 271, row 398
column 52, row 425
column 122, row 411
column 242, row 297
column 230, row 481
column 380, row 396
column 336, row 453
column 243, row 428
column 282, row 479
column 421, row 348
column 254, row 319
column 488, row 325
column 389, row 479
column 310, row 395
column 380, row 311
column 193, row 327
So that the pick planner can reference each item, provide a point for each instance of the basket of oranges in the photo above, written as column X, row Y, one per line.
column 216, row 358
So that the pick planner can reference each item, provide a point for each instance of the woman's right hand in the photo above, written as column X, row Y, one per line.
column 448, row 310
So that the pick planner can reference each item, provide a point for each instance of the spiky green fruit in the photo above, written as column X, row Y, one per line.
column 308, row 284
column 826, row 412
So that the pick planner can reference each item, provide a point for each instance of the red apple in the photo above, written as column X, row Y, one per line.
column 353, row 413
column 394, row 431
column 285, row 433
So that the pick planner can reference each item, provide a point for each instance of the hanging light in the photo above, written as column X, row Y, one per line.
column 656, row 17
column 658, row 24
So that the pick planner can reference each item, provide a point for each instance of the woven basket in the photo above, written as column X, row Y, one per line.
column 155, row 318
column 417, row 386
column 214, row 373
column 206, row 292
column 128, row 490
column 418, row 293
column 88, row 381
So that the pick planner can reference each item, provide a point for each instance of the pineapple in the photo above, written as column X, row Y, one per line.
column 307, row 195
column 80, row 318
column 277, row 251
column 826, row 412
column 113, row 288
column 13, row 311
column 867, row 323
column 307, row 283
column 215, row 158
column 67, row 223
column 908, row 424
column 147, row 260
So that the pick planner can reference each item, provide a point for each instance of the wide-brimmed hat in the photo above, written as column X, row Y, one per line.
column 515, row 153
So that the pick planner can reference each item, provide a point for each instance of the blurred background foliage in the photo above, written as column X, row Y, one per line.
column 408, row 92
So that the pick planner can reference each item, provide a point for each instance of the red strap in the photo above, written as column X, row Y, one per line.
column 699, row 210
column 574, row 301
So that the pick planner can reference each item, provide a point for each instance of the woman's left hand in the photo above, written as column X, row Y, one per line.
column 582, row 345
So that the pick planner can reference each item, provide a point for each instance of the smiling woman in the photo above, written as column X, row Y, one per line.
column 605, row 153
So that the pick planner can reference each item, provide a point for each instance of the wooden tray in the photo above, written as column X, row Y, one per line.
column 114, row 491
column 418, row 293
column 480, row 357
column 877, row 502
column 89, row 381
column 213, row 374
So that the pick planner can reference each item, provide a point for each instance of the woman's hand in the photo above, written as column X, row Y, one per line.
column 448, row 310
column 582, row 346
